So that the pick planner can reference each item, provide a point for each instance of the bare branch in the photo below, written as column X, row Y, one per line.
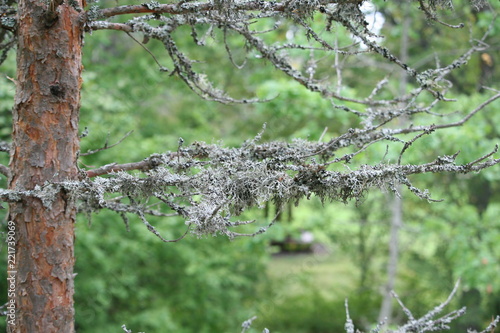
column 230, row 53
column 147, row 164
column 448, row 125
column 157, row 234
column 124, row 208
column 106, row 145
column 494, row 151
column 433, row 17
column 4, row 170
column 162, row 68
column 409, row 143
column 472, row 113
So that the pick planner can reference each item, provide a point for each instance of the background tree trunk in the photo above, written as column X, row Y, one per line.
column 385, row 314
column 45, row 147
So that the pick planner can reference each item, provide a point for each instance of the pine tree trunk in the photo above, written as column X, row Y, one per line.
column 45, row 147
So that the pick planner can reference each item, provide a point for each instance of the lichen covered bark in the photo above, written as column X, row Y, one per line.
column 45, row 146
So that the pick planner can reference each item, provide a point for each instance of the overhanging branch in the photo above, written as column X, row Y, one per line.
column 237, row 16
column 183, row 8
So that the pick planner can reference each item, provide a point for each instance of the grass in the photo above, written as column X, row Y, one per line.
column 331, row 273
column 306, row 292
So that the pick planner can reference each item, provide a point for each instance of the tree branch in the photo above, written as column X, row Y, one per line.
column 104, row 25
column 433, row 16
column 106, row 146
column 4, row 170
column 238, row 15
column 197, row 7
column 448, row 125
column 145, row 165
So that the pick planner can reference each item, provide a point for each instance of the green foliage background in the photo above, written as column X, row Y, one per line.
column 213, row 284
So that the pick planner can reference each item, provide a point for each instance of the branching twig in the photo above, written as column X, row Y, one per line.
column 162, row 68
column 106, row 146
column 156, row 232
column 447, row 125
column 432, row 16
column 409, row 143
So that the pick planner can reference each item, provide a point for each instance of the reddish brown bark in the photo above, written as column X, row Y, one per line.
column 45, row 146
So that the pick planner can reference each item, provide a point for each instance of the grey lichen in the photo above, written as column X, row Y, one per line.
column 210, row 186
column 151, row 5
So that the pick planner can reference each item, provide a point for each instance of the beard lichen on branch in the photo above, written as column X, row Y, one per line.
column 209, row 186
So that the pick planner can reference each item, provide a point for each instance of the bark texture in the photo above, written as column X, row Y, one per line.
column 45, row 147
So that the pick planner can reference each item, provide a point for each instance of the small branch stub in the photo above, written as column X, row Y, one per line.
column 51, row 15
